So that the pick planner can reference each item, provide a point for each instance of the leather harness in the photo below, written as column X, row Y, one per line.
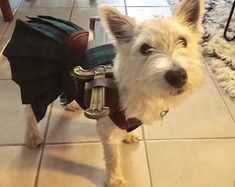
column 84, row 88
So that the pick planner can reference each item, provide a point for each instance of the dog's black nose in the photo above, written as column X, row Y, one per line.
column 176, row 78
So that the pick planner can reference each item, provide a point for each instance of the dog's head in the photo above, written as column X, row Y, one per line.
column 159, row 59
column 160, row 55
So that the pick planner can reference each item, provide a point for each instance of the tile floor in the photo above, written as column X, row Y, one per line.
column 195, row 146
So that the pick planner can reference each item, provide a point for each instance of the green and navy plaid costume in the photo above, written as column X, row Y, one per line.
column 41, row 61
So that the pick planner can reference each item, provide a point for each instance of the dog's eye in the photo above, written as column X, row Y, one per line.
column 182, row 41
column 145, row 49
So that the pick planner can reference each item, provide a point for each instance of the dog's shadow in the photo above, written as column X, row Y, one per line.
column 71, row 126
column 94, row 174
column 52, row 162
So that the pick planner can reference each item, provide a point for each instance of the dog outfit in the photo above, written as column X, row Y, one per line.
column 43, row 52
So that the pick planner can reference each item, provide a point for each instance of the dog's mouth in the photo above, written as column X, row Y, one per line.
column 177, row 91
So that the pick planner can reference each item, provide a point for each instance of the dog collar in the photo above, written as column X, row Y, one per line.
column 164, row 112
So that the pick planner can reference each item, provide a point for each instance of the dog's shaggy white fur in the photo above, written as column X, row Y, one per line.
column 158, row 64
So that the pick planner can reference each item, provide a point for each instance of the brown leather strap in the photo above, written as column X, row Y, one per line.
column 78, row 42
column 119, row 118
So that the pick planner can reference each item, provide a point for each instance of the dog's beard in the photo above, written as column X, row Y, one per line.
column 152, row 76
column 176, row 91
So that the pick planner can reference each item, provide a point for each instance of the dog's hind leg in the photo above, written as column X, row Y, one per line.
column 110, row 138
column 33, row 137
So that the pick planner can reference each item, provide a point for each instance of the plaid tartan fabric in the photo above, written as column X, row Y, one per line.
column 41, row 61
column 61, row 24
column 54, row 28
column 93, row 57
column 58, row 21
column 26, row 41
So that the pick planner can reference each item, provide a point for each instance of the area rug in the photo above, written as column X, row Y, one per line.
column 219, row 54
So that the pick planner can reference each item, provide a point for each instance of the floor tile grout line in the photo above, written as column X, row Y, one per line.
column 67, row 7
column 12, row 145
column 97, row 6
column 56, row 143
column 21, row 2
column 191, row 139
column 147, row 157
column 71, row 13
column 87, row 6
column 5, row 79
column 78, row 143
column 125, row 7
column 50, row 143
column 218, row 89
column 147, row 140
column 72, row 143
column 146, row 6
column 43, row 147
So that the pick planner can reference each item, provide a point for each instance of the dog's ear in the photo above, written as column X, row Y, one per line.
column 190, row 12
column 117, row 24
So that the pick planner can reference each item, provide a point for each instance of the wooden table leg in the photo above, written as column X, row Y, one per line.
column 6, row 10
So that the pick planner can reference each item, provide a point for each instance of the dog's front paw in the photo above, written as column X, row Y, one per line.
column 73, row 106
column 131, row 138
column 116, row 182
column 34, row 140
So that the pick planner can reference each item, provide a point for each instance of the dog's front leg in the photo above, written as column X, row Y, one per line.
column 33, row 137
column 111, row 137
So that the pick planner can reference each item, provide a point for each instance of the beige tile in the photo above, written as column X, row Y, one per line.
column 203, row 115
column 5, row 70
column 3, row 43
column 81, row 16
column 3, row 27
column 15, row 4
column 62, row 13
column 143, row 13
column 230, row 102
column 12, row 116
column 95, row 3
column 83, row 165
column 68, row 126
column 46, row 4
column 18, row 166
column 147, row 3
column 204, row 163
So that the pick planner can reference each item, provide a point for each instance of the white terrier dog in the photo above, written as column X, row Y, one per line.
column 158, row 64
